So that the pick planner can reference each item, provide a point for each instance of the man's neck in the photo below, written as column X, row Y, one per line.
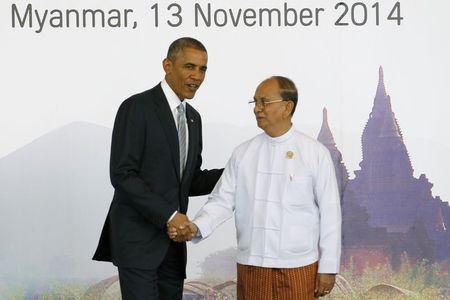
column 279, row 131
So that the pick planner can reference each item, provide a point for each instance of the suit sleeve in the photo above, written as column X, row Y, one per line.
column 127, row 148
column 203, row 181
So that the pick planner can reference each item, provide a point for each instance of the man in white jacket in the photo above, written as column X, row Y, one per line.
column 281, row 186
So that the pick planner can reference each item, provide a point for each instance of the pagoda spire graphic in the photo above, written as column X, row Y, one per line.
column 384, row 205
column 326, row 138
column 386, row 172
column 379, row 105
column 384, row 151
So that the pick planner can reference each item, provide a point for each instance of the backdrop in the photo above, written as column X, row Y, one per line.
column 380, row 68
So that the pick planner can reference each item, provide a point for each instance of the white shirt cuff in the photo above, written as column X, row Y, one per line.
column 172, row 216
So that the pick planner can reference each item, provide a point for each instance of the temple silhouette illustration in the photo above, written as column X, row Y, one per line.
column 387, row 212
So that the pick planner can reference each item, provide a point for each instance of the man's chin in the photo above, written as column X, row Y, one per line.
column 260, row 124
column 189, row 96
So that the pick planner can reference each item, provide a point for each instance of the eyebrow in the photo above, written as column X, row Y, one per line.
column 262, row 98
column 195, row 65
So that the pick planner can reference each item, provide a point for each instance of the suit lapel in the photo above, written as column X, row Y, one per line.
column 166, row 118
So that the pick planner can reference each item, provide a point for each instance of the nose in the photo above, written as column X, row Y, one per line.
column 258, row 108
column 197, row 74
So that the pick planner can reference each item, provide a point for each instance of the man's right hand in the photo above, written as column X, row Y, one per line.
column 180, row 228
column 178, row 221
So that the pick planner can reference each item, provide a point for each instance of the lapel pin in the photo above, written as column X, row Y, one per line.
column 192, row 120
column 289, row 154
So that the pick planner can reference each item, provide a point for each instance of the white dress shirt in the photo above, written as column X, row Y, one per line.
column 174, row 101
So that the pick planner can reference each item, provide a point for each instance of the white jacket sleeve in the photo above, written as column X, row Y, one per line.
column 328, row 200
column 220, row 205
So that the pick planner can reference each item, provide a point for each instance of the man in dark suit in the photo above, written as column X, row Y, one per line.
column 155, row 165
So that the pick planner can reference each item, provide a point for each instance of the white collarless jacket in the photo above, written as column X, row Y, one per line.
column 285, row 197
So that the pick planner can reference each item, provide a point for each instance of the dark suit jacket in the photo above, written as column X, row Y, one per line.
column 145, row 173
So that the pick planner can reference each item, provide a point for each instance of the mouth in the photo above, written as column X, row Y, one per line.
column 193, row 87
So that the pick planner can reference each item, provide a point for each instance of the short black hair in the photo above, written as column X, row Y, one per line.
column 181, row 43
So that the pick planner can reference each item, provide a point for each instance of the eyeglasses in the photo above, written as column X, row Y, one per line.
column 264, row 102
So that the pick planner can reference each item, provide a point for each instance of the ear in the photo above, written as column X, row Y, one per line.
column 167, row 65
column 289, row 108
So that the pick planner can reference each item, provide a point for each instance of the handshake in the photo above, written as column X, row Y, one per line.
column 181, row 229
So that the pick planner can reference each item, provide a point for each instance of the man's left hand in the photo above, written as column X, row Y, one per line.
column 324, row 284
